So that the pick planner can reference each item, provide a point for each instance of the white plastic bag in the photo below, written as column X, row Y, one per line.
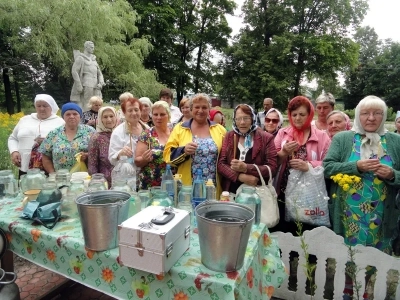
column 306, row 199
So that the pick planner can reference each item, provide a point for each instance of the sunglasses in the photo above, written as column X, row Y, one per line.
column 268, row 120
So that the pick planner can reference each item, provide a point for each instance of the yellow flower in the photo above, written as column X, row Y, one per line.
column 357, row 179
column 333, row 196
column 345, row 187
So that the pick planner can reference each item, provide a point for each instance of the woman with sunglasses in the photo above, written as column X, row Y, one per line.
column 244, row 146
column 273, row 121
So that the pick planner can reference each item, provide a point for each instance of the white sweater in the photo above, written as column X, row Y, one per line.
column 28, row 128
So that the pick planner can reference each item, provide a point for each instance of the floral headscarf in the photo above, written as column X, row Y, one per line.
column 100, row 126
column 253, row 127
column 279, row 116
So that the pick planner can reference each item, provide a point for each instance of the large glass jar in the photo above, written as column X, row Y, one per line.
column 76, row 186
column 33, row 180
column 8, row 184
column 248, row 196
column 97, row 183
column 161, row 198
column 62, row 178
column 185, row 199
column 49, row 194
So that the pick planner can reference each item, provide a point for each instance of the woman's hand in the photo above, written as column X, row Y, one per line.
column 39, row 140
column 368, row 165
column 147, row 155
column 290, row 147
column 384, row 172
column 126, row 151
column 16, row 158
column 84, row 156
column 299, row 164
column 248, row 179
column 238, row 166
column 190, row 148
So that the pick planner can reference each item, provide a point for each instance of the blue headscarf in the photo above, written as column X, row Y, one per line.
column 71, row 106
column 247, row 136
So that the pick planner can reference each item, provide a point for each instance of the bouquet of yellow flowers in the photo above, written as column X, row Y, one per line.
column 346, row 182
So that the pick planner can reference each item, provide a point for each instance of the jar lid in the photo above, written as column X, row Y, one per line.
column 225, row 193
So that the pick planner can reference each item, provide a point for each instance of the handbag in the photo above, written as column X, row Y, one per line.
column 306, row 197
column 42, row 214
column 269, row 200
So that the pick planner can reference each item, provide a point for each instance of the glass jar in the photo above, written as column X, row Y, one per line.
column 144, row 196
column 97, row 183
column 8, row 184
column 161, row 198
column 33, row 180
column 120, row 184
column 52, row 177
column 248, row 196
column 185, row 199
column 62, row 178
column 49, row 194
column 76, row 186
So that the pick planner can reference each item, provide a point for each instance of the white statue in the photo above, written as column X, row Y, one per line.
column 88, row 79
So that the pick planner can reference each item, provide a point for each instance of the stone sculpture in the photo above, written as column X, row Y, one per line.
column 88, row 79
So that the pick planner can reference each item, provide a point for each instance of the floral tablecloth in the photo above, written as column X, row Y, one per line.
column 62, row 250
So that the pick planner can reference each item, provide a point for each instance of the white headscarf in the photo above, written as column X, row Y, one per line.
column 397, row 115
column 279, row 115
column 100, row 126
column 371, row 143
column 49, row 100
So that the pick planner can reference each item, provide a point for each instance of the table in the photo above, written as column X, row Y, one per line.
column 62, row 250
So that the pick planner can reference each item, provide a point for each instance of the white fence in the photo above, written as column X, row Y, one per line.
column 324, row 243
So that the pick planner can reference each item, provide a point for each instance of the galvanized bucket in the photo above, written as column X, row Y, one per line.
column 224, row 230
column 101, row 212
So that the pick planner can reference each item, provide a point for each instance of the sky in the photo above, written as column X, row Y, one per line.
column 383, row 15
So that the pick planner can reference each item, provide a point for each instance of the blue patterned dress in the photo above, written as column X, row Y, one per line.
column 365, row 202
column 205, row 158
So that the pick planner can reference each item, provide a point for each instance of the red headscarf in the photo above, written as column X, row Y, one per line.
column 213, row 112
column 295, row 103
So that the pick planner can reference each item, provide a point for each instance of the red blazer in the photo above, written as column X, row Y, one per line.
column 263, row 153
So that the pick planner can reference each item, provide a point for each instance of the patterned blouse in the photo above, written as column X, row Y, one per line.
column 98, row 155
column 151, row 174
column 89, row 115
column 205, row 158
column 62, row 152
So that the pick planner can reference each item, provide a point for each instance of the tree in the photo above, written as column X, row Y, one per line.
column 50, row 31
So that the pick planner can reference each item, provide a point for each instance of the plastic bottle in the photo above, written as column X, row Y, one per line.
column 250, row 198
column 198, row 192
column 210, row 190
column 126, row 171
column 168, row 183
column 225, row 196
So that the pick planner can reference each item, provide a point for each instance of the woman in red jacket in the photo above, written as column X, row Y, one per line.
column 244, row 146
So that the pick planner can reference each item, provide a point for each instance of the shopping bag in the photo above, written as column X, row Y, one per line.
column 269, row 202
column 80, row 165
column 45, row 214
column 306, row 198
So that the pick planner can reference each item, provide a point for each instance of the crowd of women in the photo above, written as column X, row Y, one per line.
column 193, row 137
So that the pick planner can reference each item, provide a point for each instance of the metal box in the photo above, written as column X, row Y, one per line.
column 145, row 243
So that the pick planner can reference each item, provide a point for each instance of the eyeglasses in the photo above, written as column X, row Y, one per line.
column 274, row 121
column 246, row 119
column 375, row 114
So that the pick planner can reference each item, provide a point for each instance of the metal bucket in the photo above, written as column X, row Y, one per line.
column 224, row 230
column 101, row 212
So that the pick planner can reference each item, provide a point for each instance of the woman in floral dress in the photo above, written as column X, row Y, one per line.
column 98, row 145
column 150, row 147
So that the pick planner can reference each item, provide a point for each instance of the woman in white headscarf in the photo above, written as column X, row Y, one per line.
column 273, row 121
column 31, row 131
column 368, row 214
column 397, row 122
column 100, row 141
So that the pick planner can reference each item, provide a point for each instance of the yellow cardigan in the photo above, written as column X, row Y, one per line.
column 174, row 150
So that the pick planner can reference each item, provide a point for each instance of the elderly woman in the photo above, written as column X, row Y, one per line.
column 217, row 116
column 100, row 141
column 90, row 117
column 243, row 147
column 145, row 116
column 30, row 131
column 397, row 122
column 196, row 144
column 324, row 104
column 122, row 98
column 273, row 121
column 63, row 143
column 150, row 147
column 367, row 214
column 185, row 110
column 125, row 136
column 372, row 153
column 337, row 121
column 300, row 146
